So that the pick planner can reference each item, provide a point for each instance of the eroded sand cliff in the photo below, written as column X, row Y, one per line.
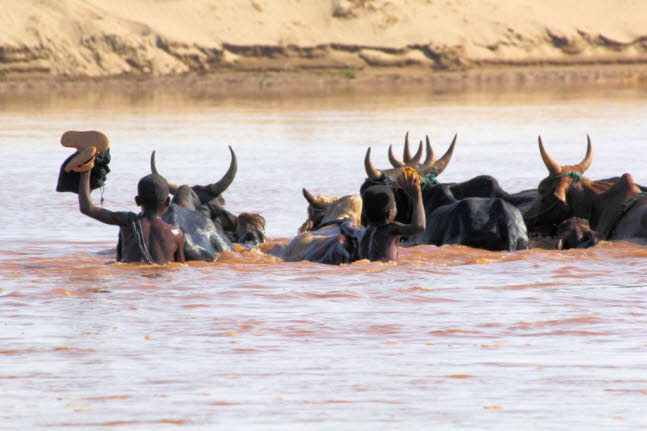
column 97, row 38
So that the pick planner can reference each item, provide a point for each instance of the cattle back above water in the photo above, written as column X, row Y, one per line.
column 195, row 211
column 320, row 238
column 202, row 240
column 487, row 223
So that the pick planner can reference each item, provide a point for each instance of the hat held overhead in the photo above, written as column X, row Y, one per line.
column 88, row 145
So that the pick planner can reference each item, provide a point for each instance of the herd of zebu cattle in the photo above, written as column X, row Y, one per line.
column 570, row 209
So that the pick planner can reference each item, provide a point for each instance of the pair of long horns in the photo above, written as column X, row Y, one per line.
column 215, row 189
column 555, row 168
column 409, row 160
column 430, row 165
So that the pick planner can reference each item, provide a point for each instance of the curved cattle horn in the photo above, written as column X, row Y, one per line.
column 372, row 172
column 553, row 167
column 310, row 198
column 431, row 157
column 584, row 164
column 172, row 187
column 442, row 163
column 216, row 189
column 407, row 151
column 394, row 160
column 416, row 157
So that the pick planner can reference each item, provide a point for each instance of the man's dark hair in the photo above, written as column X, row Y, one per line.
column 152, row 191
column 377, row 201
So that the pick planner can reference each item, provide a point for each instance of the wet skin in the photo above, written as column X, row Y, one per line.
column 164, row 242
column 380, row 242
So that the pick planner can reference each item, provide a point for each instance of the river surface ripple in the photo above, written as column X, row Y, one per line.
column 448, row 338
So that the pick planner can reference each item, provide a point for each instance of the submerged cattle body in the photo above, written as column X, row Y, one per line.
column 246, row 228
column 487, row 219
column 197, row 211
column 614, row 209
column 329, row 235
column 487, row 223
column 202, row 239
column 486, row 186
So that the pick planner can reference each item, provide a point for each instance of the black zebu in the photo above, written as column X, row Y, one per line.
column 477, row 213
column 198, row 211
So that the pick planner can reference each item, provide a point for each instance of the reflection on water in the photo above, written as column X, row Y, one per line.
column 453, row 336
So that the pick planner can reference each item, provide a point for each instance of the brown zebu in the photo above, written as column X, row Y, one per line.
column 615, row 209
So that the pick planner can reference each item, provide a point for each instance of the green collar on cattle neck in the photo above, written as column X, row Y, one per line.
column 577, row 177
column 429, row 179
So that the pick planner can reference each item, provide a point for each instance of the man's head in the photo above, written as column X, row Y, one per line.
column 153, row 193
column 379, row 205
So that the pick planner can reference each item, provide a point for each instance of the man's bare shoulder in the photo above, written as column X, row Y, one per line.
column 161, row 225
column 177, row 233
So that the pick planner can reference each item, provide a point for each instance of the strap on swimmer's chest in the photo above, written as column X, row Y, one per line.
column 136, row 226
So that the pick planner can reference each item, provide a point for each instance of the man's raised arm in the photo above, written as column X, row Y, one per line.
column 88, row 208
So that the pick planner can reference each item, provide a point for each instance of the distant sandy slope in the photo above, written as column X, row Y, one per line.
column 161, row 37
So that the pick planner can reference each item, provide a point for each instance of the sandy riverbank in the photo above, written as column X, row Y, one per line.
column 249, row 44
column 319, row 82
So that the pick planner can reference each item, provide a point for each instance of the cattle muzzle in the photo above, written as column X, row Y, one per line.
column 252, row 237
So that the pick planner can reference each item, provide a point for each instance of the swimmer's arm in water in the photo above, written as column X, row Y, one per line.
column 88, row 208
column 418, row 220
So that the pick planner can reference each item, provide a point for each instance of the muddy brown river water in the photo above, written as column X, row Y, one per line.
column 447, row 338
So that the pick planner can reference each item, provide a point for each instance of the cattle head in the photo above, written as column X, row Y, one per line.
column 575, row 233
column 428, row 170
column 198, row 195
column 250, row 229
column 323, row 210
column 554, row 201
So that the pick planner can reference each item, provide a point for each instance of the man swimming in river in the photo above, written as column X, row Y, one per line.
column 382, row 235
column 144, row 237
